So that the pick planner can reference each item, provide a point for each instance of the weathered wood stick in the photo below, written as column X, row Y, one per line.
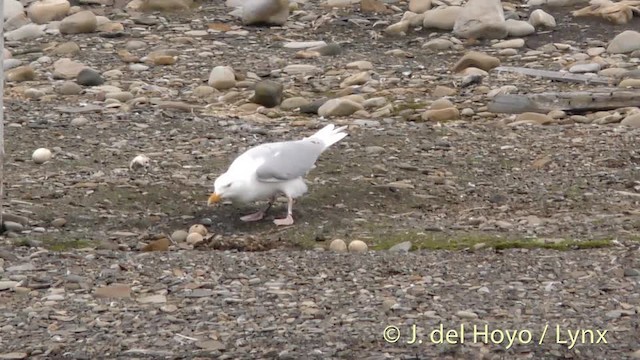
column 556, row 75
column 571, row 102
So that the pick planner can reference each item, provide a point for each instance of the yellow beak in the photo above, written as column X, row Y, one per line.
column 214, row 198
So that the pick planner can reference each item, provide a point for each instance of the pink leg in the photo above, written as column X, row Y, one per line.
column 289, row 219
column 256, row 216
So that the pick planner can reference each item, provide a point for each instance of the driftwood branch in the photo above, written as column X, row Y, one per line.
column 570, row 102
column 556, row 75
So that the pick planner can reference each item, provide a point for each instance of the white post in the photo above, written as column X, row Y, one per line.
column 1, row 109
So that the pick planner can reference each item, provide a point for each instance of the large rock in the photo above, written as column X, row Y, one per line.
column 625, row 42
column 441, row 18
column 43, row 11
column 259, row 12
column 481, row 19
column 12, row 8
column 78, row 23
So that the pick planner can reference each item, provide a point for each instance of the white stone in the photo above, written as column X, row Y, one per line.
column 222, row 78
column 41, row 155
column 358, row 246
column 12, row 8
column 26, row 32
column 517, row 28
column 625, row 42
column 481, row 19
column 441, row 18
column 540, row 18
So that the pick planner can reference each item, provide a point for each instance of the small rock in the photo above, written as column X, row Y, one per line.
column 79, row 121
column 194, row 238
column 438, row 44
column 165, row 5
column 8, row 284
column 222, row 78
column 630, row 83
column 585, row 68
column 198, row 228
column 69, row 48
column 138, row 162
column 360, row 78
column 41, row 155
column 440, row 115
column 294, row 103
column 476, row 59
column 158, row 245
column 81, row 22
column 58, row 222
column 339, row 107
column 13, row 355
column 518, row 28
column 267, row 12
column 338, row 245
column 179, row 236
column 153, row 299
column 89, row 77
column 357, row 246
column 539, row 18
column 22, row 73
column 360, row 65
column 267, row 93
column 401, row 247
column 67, row 69
column 69, row 88
column 625, row 42
column 25, row 32
column 113, row 291
column 466, row 314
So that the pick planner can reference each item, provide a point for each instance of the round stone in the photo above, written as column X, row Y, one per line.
column 41, row 155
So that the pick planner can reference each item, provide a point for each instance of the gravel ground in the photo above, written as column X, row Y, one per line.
column 319, row 305
column 73, row 283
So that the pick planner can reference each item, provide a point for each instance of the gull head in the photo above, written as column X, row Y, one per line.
column 223, row 188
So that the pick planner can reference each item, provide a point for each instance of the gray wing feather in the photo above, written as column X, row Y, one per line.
column 289, row 160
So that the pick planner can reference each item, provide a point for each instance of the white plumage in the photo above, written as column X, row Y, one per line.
column 264, row 171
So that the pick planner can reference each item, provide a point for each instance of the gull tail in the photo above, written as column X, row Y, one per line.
column 329, row 135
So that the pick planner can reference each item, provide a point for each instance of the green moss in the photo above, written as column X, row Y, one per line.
column 440, row 241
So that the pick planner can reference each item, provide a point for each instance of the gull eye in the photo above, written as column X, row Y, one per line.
column 227, row 186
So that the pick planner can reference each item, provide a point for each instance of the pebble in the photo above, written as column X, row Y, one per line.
column 419, row 6
column 41, row 155
column 357, row 246
column 469, row 315
column 222, row 78
column 179, row 236
column 79, row 121
column 476, row 59
column 540, row 19
column 268, row 93
column 198, row 228
column 153, row 299
column 89, row 77
column 511, row 43
column 21, row 73
column 585, row 68
column 339, row 107
column 404, row 246
column 69, row 88
column 338, row 245
column 113, row 291
column 518, row 28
